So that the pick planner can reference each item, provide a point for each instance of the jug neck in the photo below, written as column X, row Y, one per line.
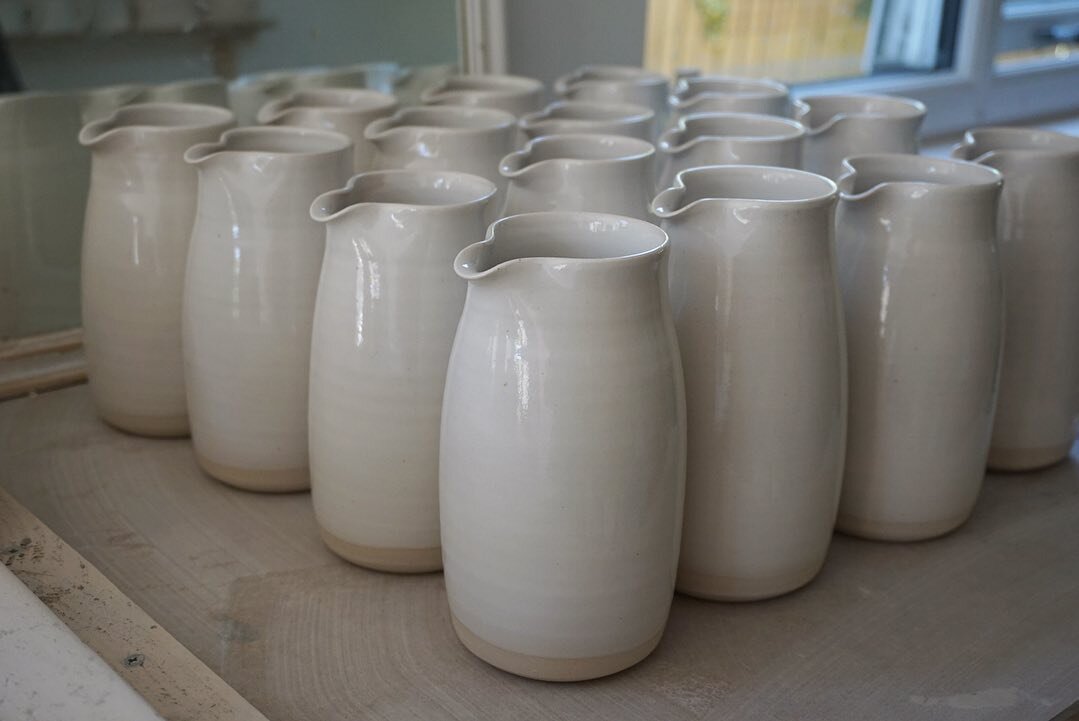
column 155, row 127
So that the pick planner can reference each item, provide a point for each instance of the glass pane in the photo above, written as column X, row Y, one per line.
column 65, row 62
column 1038, row 31
column 801, row 40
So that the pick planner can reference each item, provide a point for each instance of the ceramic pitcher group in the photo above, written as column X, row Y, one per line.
column 647, row 337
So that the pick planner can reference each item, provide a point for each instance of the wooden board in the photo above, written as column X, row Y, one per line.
column 983, row 624
column 40, row 363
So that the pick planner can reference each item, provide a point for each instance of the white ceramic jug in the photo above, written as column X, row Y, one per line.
column 344, row 110
column 44, row 174
column 756, row 304
column 512, row 93
column 469, row 140
column 568, row 117
column 248, row 93
column 729, row 139
column 388, row 306
column 1039, row 218
column 916, row 243
column 139, row 215
column 563, row 446
column 203, row 91
column 249, row 297
column 838, row 126
column 617, row 84
column 598, row 173
column 720, row 94
column 97, row 103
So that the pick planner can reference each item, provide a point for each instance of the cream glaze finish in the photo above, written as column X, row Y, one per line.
column 387, row 309
column 597, row 173
column 249, row 298
column 617, row 84
column 344, row 110
column 729, row 139
column 759, row 321
column 98, row 103
column 918, row 270
column 469, row 140
column 720, row 94
column 838, row 126
column 202, row 91
column 1039, row 256
column 568, row 117
column 44, row 176
column 139, row 215
column 248, row 93
column 563, row 446
column 511, row 93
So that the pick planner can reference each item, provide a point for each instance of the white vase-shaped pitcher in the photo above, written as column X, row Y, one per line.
column 916, row 243
column 720, row 94
column 511, row 93
column 1039, row 255
column 617, row 84
column 387, row 309
column 139, row 215
column 757, row 308
column 569, row 117
column 563, row 446
column 249, row 297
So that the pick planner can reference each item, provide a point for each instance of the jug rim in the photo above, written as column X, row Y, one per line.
column 496, row 120
column 622, row 149
column 603, row 112
column 1013, row 140
column 337, row 101
column 319, row 143
column 155, row 118
column 785, row 129
column 599, row 74
column 741, row 87
column 653, row 242
column 339, row 202
column 922, row 172
column 485, row 84
column 755, row 185
column 900, row 108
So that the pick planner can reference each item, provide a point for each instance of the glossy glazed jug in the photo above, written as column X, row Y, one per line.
column 838, row 126
column 44, row 175
column 729, row 139
column 249, row 297
column 569, row 117
column 1039, row 214
column 916, row 243
column 387, row 309
column 139, row 215
column 248, row 93
column 511, row 93
column 562, row 457
column 345, row 110
column 598, row 173
column 617, row 84
column 721, row 94
column 469, row 140
column 756, row 304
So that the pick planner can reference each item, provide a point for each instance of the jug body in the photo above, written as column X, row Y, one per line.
column 916, row 243
column 756, row 305
column 562, row 450
column 721, row 94
column 249, row 296
column 139, row 214
column 617, row 84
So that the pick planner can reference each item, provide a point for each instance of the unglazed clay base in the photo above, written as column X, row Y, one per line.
column 729, row 588
column 553, row 669
column 151, row 426
column 394, row 560
column 264, row 481
column 1026, row 459
column 885, row 531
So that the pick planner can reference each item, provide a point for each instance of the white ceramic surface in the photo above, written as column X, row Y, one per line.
column 838, row 126
column 249, row 297
column 922, row 295
column 248, row 93
column 98, row 103
column 756, row 304
column 447, row 137
column 569, row 117
column 1039, row 255
column 44, row 176
column 728, row 139
column 563, row 446
column 344, row 110
column 722, row 94
column 598, row 173
column 617, row 84
column 139, row 215
column 204, row 91
column 387, row 309
column 512, row 93
column 411, row 83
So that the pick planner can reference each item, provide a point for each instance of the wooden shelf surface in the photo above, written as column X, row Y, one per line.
column 982, row 624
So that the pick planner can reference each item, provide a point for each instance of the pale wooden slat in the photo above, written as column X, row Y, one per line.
column 59, row 342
